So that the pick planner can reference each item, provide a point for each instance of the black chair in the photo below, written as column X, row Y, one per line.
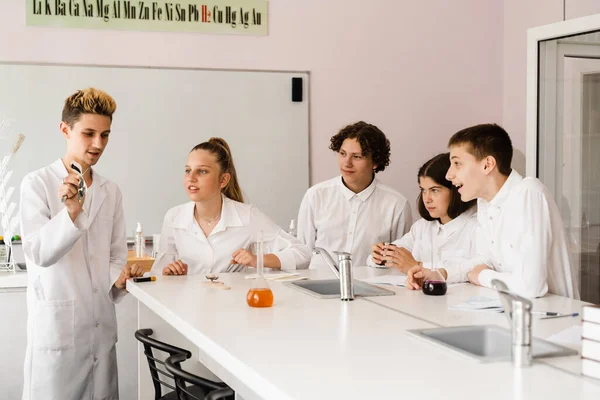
column 201, row 386
column 173, row 364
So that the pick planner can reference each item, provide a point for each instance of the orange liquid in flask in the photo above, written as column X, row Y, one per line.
column 262, row 297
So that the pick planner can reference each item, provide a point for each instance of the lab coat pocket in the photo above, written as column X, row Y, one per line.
column 54, row 325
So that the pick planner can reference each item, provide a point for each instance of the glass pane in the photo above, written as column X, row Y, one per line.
column 569, row 144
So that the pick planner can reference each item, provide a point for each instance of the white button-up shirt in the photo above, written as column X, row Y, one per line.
column 336, row 219
column 453, row 244
column 182, row 238
column 523, row 239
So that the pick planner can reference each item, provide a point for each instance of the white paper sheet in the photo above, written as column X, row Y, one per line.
column 394, row 280
column 571, row 335
column 479, row 303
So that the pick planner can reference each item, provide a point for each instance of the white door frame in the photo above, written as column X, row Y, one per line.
column 534, row 36
column 575, row 70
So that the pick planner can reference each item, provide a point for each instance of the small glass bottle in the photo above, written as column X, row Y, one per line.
column 260, row 295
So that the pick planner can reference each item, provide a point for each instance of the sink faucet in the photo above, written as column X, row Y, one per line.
column 343, row 272
column 518, row 312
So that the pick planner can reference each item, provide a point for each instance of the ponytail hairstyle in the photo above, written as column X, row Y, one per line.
column 220, row 149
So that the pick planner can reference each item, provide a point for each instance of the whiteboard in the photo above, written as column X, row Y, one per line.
column 161, row 114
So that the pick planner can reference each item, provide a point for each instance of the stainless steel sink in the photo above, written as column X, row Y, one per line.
column 330, row 288
column 488, row 343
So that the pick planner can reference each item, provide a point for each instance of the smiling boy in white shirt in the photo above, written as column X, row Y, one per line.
column 350, row 212
column 521, row 238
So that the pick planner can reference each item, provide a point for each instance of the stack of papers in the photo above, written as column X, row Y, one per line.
column 479, row 303
column 394, row 280
column 279, row 276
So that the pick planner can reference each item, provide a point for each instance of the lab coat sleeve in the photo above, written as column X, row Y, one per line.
column 118, row 249
column 292, row 253
column 167, row 250
column 529, row 260
column 46, row 238
column 307, row 232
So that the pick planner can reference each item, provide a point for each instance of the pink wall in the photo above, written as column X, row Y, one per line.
column 581, row 8
column 419, row 70
column 520, row 15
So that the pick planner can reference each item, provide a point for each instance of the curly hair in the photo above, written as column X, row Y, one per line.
column 371, row 139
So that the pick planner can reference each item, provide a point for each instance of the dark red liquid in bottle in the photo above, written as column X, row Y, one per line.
column 435, row 288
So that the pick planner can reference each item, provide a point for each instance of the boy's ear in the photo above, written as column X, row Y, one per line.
column 64, row 129
column 490, row 165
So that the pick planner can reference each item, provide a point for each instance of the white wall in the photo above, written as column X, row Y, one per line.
column 420, row 70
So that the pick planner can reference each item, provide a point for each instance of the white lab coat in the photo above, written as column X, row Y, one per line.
column 182, row 238
column 71, row 323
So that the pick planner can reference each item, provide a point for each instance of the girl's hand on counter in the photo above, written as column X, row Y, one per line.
column 377, row 253
column 399, row 258
column 175, row 268
column 243, row 257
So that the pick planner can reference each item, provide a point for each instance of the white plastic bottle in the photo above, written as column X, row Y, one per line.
column 140, row 243
column 292, row 230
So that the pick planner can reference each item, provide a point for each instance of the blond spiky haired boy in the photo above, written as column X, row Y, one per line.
column 76, row 253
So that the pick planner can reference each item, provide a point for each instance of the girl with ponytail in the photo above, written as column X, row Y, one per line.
column 214, row 231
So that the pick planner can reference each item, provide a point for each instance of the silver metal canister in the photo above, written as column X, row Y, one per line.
column 346, row 282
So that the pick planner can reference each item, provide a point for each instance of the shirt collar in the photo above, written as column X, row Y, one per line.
column 500, row 198
column 61, row 172
column 363, row 196
column 229, row 216
column 456, row 224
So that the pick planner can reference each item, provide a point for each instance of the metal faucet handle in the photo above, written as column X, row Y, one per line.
column 518, row 312
column 508, row 298
column 328, row 260
column 342, row 255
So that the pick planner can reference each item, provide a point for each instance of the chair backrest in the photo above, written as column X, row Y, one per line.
column 215, row 391
column 143, row 335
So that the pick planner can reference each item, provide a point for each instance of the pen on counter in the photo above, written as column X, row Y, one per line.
column 558, row 315
column 547, row 313
column 145, row 279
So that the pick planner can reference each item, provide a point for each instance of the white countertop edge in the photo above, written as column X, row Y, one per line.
column 247, row 376
column 9, row 280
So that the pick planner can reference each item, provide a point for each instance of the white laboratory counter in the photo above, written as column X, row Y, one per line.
column 309, row 348
column 13, row 280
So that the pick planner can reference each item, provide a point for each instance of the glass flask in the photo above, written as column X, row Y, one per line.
column 260, row 295
column 434, row 283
